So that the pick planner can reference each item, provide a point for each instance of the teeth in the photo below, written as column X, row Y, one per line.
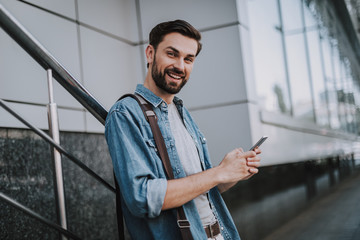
column 174, row 76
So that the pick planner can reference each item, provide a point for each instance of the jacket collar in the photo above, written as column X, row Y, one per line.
column 152, row 98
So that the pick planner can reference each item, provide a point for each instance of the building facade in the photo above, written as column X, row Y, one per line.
column 285, row 69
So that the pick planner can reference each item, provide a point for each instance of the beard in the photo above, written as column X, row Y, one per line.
column 160, row 81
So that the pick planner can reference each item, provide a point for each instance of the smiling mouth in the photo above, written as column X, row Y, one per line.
column 175, row 75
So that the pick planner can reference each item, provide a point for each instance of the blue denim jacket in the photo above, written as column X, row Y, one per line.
column 141, row 175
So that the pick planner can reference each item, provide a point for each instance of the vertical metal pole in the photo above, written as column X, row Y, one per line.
column 54, row 133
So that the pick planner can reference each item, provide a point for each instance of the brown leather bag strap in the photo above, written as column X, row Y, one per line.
column 150, row 116
column 119, row 213
column 183, row 224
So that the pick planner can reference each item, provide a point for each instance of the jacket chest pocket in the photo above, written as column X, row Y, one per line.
column 170, row 150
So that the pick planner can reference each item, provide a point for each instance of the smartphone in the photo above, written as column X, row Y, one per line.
column 261, row 140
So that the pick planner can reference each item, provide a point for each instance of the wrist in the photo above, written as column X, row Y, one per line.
column 218, row 176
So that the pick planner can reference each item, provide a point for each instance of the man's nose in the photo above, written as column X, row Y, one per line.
column 179, row 64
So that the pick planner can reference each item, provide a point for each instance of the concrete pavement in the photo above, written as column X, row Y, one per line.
column 335, row 216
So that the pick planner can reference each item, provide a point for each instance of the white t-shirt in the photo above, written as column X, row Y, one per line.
column 190, row 160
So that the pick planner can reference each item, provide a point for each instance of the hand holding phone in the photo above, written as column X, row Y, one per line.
column 258, row 143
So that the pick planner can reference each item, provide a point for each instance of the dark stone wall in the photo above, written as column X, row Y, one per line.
column 26, row 175
column 258, row 205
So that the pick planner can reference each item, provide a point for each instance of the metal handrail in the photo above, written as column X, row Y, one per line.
column 47, row 61
column 57, row 146
column 39, row 53
column 43, row 105
column 34, row 48
column 38, row 217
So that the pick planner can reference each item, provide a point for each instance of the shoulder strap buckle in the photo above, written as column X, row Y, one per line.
column 183, row 223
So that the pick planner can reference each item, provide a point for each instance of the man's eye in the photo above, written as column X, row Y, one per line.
column 190, row 60
column 171, row 54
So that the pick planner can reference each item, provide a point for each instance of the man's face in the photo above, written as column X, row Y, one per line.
column 173, row 62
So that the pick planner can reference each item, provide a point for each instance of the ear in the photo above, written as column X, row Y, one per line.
column 150, row 54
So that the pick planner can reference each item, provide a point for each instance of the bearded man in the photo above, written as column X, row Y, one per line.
column 149, row 199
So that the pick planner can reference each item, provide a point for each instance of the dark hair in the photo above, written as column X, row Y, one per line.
column 159, row 31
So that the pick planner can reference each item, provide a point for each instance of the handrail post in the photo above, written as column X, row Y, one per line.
column 54, row 133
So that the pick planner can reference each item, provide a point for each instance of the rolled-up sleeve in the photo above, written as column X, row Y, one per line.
column 142, row 187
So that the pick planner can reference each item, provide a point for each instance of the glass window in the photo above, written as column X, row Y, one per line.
column 313, row 36
column 268, row 58
column 330, row 84
column 318, row 81
column 356, row 95
column 311, row 23
column 349, row 89
column 291, row 13
column 333, row 105
column 298, row 66
column 297, row 60
column 299, row 77
column 338, row 73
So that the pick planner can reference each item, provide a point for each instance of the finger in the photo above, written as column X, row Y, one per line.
column 239, row 152
column 253, row 164
column 253, row 159
column 249, row 176
column 253, row 170
column 257, row 150
column 249, row 154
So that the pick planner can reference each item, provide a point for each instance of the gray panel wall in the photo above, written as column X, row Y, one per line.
column 100, row 52
column 217, row 90
column 102, row 44
column 105, row 53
